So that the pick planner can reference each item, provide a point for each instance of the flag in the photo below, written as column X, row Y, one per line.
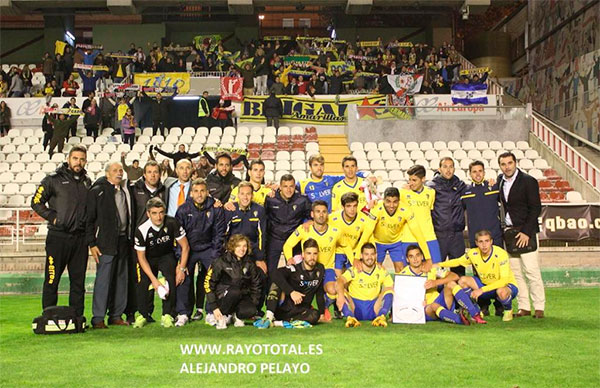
column 467, row 94
column 231, row 88
column 405, row 83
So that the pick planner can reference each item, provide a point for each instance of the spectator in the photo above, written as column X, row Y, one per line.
column 121, row 110
column 176, row 156
column 134, row 172
column 59, row 69
column 292, row 88
column 203, row 167
column 248, row 74
column 57, row 89
column 5, row 116
column 108, row 227
column 262, row 72
column 221, row 114
column 72, row 104
column 68, row 58
column 197, row 64
column 278, row 87
column 128, row 128
column 48, row 126
column 48, row 90
column 203, row 109
column 17, row 87
column 302, row 85
column 61, row 130
column 91, row 119
column 89, row 81
column 88, row 101
column 273, row 110
column 3, row 86
column 222, row 181
column 48, row 67
column 160, row 112
column 70, row 87
column 107, row 109
column 27, row 77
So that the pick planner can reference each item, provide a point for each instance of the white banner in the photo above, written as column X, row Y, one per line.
column 33, row 107
column 409, row 295
column 442, row 105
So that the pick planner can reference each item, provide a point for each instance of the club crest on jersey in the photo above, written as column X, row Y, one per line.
column 255, row 213
column 165, row 229
column 208, row 214
column 311, row 187
column 301, row 277
column 244, row 270
column 294, row 207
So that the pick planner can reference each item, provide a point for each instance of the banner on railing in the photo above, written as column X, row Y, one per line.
column 181, row 81
column 34, row 107
column 298, row 109
column 441, row 104
column 569, row 222
column 232, row 88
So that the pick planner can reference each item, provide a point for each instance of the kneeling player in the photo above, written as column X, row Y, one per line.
column 365, row 295
column 440, row 305
column 495, row 278
column 154, row 242
column 293, row 290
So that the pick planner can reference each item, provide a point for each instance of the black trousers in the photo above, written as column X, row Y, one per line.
column 273, row 122
column 156, row 125
column 297, row 312
column 65, row 251
column 273, row 254
column 234, row 301
column 452, row 245
column 132, row 280
column 166, row 265
column 91, row 130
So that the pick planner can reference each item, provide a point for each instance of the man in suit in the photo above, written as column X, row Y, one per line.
column 520, row 196
column 178, row 189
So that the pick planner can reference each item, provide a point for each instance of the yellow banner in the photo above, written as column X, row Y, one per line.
column 476, row 70
column 181, row 81
column 341, row 66
column 299, row 109
column 369, row 43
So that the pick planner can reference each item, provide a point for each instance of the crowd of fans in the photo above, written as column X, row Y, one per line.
column 265, row 64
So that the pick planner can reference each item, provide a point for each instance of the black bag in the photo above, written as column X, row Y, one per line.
column 510, row 240
column 59, row 320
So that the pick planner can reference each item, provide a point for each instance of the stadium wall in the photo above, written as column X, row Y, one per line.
column 437, row 130
column 10, row 39
column 119, row 36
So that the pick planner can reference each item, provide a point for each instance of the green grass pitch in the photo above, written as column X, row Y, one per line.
column 562, row 350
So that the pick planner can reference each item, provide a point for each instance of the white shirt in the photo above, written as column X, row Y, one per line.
column 508, row 182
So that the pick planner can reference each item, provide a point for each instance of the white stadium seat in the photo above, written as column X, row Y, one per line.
column 431, row 154
column 526, row 164
column 474, row 154
column 282, row 165
column 271, row 131
column 284, row 131
column 541, row 164
column 439, row 145
column 532, row 154
column 523, row 145
column 176, row 131
column 392, row 165
column 363, row 165
column 33, row 167
column 417, row 154
column 406, row 164
column 388, row 155
column 488, row 154
column 402, row 155
column 27, row 158
column 202, row 131
column 468, row 145
column 373, row 155
column 282, row 155
column 312, row 147
column 396, row 175
column 299, row 174
column 459, row 154
column 377, row 165
column 359, row 155
column 453, row 145
column 575, row 197
column 10, row 189
column 298, row 165
column 297, row 131
column 495, row 145
column 509, row 145
column 356, row 146
column 412, row 145
column 370, row 146
column 37, row 177
column 384, row 146
column 189, row 131
column 298, row 155
column 398, row 145
column 426, row 145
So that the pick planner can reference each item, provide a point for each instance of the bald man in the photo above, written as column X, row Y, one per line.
column 177, row 190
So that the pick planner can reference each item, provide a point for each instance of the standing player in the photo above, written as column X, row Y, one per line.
column 327, row 238
column 420, row 199
column 294, row 288
column 154, row 243
column 256, row 173
column 60, row 199
column 392, row 220
column 319, row 186
column 494, row 276
column 365, row 295
column 440, row 305
column 354, row 227
column 350, row 184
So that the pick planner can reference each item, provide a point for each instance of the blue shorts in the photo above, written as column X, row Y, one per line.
column 341, row 261
column 329, row 276
column 434, row 250
column 442, row 302
column 394, row 249
column 364, row 310
column 492, row 294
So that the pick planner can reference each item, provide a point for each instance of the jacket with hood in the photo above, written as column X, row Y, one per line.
column 228, row 271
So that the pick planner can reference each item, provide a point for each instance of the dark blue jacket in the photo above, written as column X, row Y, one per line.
column 204, row 226
column 89, row 83
column 251, row 223
column 285, row 216
column 448, row 213
column 483, row 212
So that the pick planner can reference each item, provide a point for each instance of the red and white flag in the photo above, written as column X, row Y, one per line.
column 232, row 88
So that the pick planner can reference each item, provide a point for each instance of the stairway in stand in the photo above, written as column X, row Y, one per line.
column 333, row 148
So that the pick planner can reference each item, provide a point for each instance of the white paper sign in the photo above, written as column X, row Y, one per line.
column 409, row 294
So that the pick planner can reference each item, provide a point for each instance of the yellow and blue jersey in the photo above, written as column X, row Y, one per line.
column 258, row 196
column 341, row 188
column 353, row 233
column 493, row 271
column 328, row 241
column 321, row 188
column 367, row 285
column 421, row 204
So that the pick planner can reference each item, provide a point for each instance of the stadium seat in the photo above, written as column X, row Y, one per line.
column 298, row 155
column 494, row 164
column 102, row 157
column 176, row 131
column 439, row 145
column 383, row 174
column 398, row 146
column 363, row 165
column 33, row 140
column 101, row 140
column 360, row 155
column 429, row 174
column 523, row 145
column 202, row 131
column 87, row 140
column 279, row 174
column 384, row 146
column 298, row 165
column 312, row 147
column 282, row 155
column 297, row 131
column 425, row 146
column 17, row 167
column 541, row 164
column 518, row 154
column 243, row 139
column 377, row 164
column 6, row 177
column 405, row 164
column 74, row 140
column 12, row 158
column 388, row 155
column 172, row 139
column 402, row 155
column 9, row 148
column 191, row 131
column 464, row 163
column 255, row 139
column 574, row 197
column 299, row 174
column 108, row 131
column 417, row 154
column 468, row 145
column 495, row 145
column 453, row 145
column 185, row 139
column 532, row 154
column 28, row 189
column 4, row 166
column 269, row 177
column 412, row 145
column 536, row 173
column 474, row 154
column 256, row 131
column 459, row 154
column 143, row 139
column 525, row 164
column 271, row 131
column 33, row 167
column 42, row 158
column 373, row 155
column 16, row 200
column 509, row 145
column 157, row 139
column 370, row 146
column 27, row 158
column 392, row 165
column 460, row 174
column 488, row 154
column 139, row 148
column 10, row 189
column 230, row 131
column 37, row 177
column 18, row 141
column 269, row 139
column 396, row 175
column 282, row 165
column 431, row 154
column 284, row 131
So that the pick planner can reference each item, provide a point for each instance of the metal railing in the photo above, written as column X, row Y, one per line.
column 22, row 229
column 200, row 74
column 582, row 166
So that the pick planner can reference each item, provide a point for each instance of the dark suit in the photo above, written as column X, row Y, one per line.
column 524, row 207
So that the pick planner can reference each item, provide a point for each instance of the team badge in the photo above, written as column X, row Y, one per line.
column 294, row 207
column 165, row 229
column 311, row 187
column 244, row 270
column 208, row 214
column 318, row 273
column 301, row 277
column 255, row 213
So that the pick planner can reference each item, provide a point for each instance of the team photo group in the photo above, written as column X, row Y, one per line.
column 225, row 252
